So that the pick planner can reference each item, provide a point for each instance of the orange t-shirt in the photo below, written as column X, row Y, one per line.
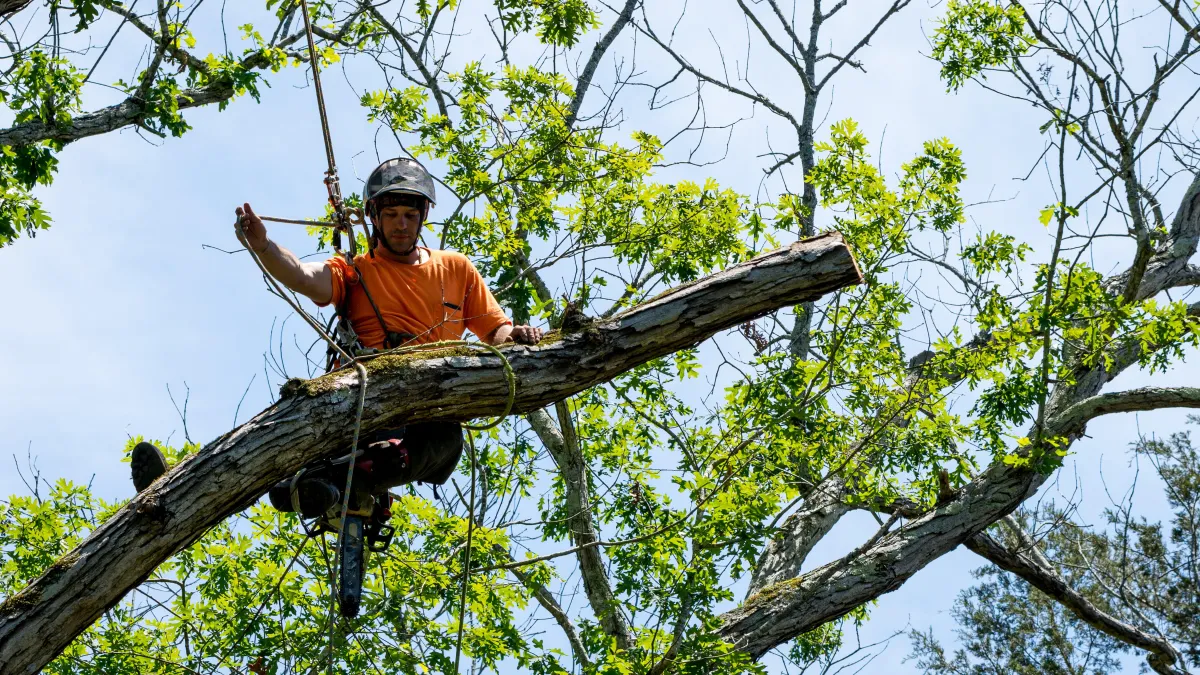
column 434, row 300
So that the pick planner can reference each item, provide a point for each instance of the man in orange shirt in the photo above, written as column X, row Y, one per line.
column 399, row 293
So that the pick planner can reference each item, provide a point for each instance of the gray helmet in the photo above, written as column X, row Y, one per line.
column 402, row 175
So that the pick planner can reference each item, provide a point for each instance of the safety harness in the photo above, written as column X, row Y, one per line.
column 345, row 334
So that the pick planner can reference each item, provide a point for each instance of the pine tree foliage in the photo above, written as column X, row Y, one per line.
column 1137, row 571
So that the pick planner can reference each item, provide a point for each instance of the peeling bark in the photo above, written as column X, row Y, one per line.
column 11, row 7
column 313, row 419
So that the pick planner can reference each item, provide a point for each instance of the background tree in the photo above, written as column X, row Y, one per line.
column 823, row 410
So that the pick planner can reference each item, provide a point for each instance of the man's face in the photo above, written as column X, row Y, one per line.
column 399, row 225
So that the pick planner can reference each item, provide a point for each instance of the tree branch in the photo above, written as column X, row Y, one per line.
column 313, row 419
column 589, row 70
column 783, row 53
column 108, row 119
column 1029, row 564
column 431, row 82
column 782, row 611
column 866, row 39
column 123, row 114
column 1133, row 400
column 550, row 604
column 1173, row 254
column 1187, row 277
column 784, row 555
column 181, row 56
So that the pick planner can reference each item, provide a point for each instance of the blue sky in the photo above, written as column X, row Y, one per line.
column 121, row 299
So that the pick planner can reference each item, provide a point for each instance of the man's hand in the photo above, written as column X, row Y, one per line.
column 311, row 279
column 252, row 226
column 526, row 335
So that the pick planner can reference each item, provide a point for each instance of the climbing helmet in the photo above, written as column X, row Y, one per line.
column 400, row 175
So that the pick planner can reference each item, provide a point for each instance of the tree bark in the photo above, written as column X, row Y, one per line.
column 127, row 112
column 784, row 555
column 123, row 114
column 784, row 610
column 11, row 7
column 314, row 418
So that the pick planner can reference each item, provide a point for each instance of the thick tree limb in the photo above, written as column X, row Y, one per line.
column 784, row 610
column 780, row 612
column 313, row 420
column 1029, row 564
column 1170, row 260
column 127, row 112
column 784, row 556
column 123, row 114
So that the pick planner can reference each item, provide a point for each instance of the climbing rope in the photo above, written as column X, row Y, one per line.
column 344, row 223
column 358, row 414
column 333, row 187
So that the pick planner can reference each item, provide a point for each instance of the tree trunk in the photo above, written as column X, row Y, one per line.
column 314, row 419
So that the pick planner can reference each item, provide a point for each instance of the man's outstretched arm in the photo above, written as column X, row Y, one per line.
column 313, row 279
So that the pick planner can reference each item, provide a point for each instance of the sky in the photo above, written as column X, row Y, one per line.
column 127, row 294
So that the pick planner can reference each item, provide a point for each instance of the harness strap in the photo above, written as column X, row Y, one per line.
column 345, row 330
column 378, row 315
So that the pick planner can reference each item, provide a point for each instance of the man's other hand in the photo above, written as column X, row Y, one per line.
column 526, row 335
column 252, row 226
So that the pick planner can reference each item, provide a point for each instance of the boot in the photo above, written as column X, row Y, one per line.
column 314, row 496
column 147, row 463
column 383, row 463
